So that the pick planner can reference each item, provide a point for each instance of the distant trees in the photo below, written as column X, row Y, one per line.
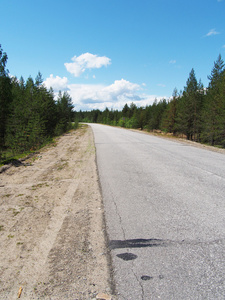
column 29, row 115
column 197, row 113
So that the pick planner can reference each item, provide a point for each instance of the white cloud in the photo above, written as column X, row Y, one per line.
column 146, row 100
column 56, row 83
column 116, row 95
column 172, row 61
column 86, row 61
column 99, row 96
column 119, row 88
column 88, row 93
column 212, row 32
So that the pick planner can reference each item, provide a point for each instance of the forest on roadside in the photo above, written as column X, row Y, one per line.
column 29, row 115
column 197, row 112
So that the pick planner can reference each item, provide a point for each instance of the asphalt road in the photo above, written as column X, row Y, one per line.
column 165, row 215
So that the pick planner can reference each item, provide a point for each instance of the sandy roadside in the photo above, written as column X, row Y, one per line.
column 51, row 224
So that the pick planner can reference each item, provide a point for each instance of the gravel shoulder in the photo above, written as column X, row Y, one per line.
column 52, row 232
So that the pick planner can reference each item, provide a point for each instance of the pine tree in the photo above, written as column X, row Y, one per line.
column 33, row 117
column 190, row 105
column 214, row 111
column 5, row 96
column 64, row 108
column 16, row 124
column 169, row 118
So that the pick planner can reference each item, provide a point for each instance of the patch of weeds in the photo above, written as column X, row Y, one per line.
column 218, row 146
column 83, row 126
column 71, row 149
column 39, row 185
column 28, row 200
column 15, row 211
column 90, row 148
column 62, row 165
column 1, row 227
column 34, row 187
column 20, row 195
column 34, row 158
column 19, row 243
column 50, row 143
column 10, row 236
column 7, row 195
column 62, row 159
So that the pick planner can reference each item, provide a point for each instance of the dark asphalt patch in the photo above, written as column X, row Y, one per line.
column 127, row 256
column 138, row 243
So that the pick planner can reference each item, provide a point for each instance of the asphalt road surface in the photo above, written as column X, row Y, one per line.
column 165, row 215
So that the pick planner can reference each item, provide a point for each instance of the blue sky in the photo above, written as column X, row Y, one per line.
column 112, row 52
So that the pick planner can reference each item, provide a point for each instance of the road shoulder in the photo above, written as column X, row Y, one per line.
column 51, row 224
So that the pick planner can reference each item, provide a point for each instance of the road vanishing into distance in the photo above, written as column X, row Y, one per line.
column 165, row 215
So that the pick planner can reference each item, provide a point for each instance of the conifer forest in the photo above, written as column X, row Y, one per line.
column 196, row 113
column 30, row 115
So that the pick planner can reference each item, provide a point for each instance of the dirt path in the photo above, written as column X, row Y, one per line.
column 51, row 224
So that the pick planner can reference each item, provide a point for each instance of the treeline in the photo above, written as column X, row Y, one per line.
column 197, row 113
column 29, row 115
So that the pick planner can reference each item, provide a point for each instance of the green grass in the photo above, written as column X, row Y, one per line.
column 15, row 211
column 7, row 195
column 39, row 185
column 62, row 164
column 19, row 243
column 7, row 156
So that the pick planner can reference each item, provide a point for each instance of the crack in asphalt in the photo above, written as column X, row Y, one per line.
column 120, row 219
column 124, row 235
column 143, row 243
column 139, row 282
